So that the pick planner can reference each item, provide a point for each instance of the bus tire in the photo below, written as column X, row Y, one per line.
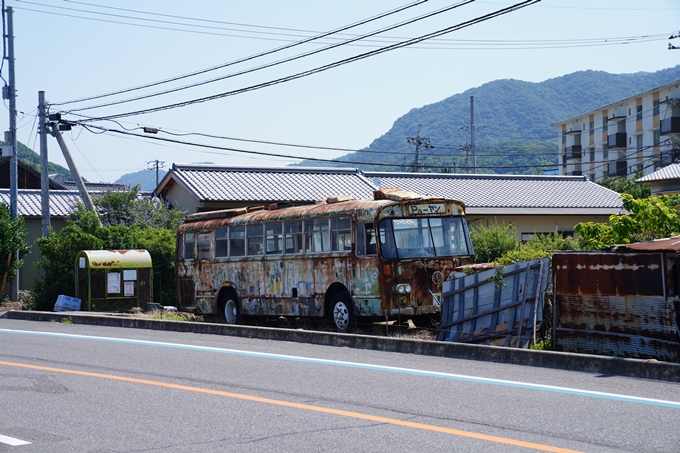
column 341, row 311
column 228, row 307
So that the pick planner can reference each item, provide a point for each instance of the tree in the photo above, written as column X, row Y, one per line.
column 649, row 218
column 628, row 186
column 128, row 221
column 493, row 241
column 12, row 240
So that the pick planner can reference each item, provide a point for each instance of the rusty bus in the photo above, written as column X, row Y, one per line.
column 339, row 259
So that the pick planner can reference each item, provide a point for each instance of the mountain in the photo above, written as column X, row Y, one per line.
column 513, row 121
column 32, row 159
column 146, row 178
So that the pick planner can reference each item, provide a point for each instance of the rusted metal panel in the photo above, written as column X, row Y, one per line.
column 480, row 308
column 658, row 245
column 617, row 304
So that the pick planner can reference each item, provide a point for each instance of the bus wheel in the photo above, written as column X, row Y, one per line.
column 229, row 308
column 342, row 311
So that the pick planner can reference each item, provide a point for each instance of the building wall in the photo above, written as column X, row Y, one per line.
column 29, row 273
column 639, row 118
column 528, row 225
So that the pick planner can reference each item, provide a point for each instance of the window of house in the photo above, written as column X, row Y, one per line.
column 592, row 154
column 657, row 138
column 591, row 177
column 605, row 152
column 638, row 140
column 638, row 113
column 655, row 108
column 591, row 128
column 605, row 123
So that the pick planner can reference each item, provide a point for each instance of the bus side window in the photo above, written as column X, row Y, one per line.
column 203, row 246
column 316, row 236
column 273, row 236
column 180, row 247
column 293, row 236
column 221, row 243
column 188, row 246
column 254, row 239
column 341, row 234
column 365, row 239
column 237, row 241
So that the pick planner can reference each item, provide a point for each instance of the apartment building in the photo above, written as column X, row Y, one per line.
column 639, row 133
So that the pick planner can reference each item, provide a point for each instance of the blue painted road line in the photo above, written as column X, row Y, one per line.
column 365, row 366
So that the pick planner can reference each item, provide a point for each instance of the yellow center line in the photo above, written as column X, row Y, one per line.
column 325, row 410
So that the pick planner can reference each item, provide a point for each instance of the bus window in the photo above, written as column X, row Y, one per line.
column 316, row 236
column 221, row 243
column 188, row 246
column 203, row 246
column 254, row 238
column 389, row 251
column 293, row 236
column 273, row 235
column 237, row 241
column 365, row 239
column 341, row 234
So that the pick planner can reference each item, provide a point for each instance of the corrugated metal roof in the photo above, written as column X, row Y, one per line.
column 62, row 202
column 305, row 184
column 657, row 245
column 96, row 186
column 567, row 193
column 671, row 171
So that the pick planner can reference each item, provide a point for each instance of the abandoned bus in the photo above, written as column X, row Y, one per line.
column 340, row 258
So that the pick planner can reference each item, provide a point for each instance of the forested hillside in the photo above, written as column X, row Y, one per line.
column 513, row 118
column 32, row 159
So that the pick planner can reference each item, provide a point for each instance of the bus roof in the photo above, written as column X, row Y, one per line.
column 362, row 210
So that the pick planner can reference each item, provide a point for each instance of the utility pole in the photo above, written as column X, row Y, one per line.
column 10, row 92
column 472, row 134
column 56, row 132
column 44, row 164
column 158, row 164
column 419, row 142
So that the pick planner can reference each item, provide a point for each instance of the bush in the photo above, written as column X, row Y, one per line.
column 493, row 241
column 12, row 240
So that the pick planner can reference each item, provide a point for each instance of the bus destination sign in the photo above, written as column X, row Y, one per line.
column 427, row 208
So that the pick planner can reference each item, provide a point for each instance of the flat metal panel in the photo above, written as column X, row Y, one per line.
column 479, row 308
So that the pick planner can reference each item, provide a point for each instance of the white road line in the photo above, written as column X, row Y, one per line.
column 366, row 366
column 12, row 441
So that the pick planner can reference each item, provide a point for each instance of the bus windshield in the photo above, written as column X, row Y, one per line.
column 423, row 237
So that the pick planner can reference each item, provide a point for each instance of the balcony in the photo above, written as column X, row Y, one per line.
column 616, row 140
column 618, row 168
column 576, row 173
column 670, row 125
column 573, row 152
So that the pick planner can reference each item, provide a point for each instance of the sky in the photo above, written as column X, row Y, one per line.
column 74, row 49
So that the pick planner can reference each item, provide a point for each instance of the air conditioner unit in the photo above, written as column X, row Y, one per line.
column 6, row 151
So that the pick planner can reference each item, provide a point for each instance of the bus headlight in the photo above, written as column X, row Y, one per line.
column 402, row 288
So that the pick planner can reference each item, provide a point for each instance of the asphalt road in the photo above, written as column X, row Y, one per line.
column 77, row 388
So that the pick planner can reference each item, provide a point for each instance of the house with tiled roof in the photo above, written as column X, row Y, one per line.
column 664, row 181
column 535, row 204
column 29, row 206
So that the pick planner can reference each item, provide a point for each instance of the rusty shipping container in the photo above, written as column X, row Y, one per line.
column 621, row 304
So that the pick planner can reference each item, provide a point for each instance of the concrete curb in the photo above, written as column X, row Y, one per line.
column 647, row 369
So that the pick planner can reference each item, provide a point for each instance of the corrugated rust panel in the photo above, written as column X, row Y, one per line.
column 615, row 304
column 603, row 274
column 658, row 245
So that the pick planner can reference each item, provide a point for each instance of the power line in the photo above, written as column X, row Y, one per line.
column 257, row 55
column 441, row 32
column 282, row 61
